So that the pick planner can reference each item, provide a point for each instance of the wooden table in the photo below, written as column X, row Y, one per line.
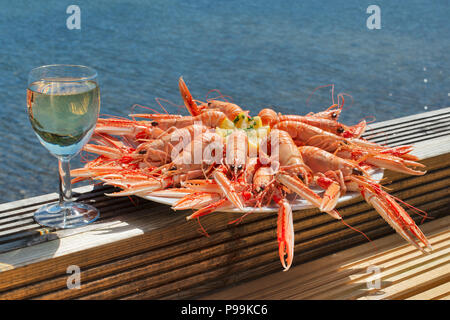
column 143, row 250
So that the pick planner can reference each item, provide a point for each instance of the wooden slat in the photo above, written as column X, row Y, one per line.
column 440, row 120
column 410, row 120
column 411, row 129
column 404, row 272
column 433, row 293
column 148, row 251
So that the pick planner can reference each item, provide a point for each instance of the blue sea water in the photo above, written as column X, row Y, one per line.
column 258, row 52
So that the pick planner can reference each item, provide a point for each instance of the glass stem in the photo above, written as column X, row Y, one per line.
column 65, row 186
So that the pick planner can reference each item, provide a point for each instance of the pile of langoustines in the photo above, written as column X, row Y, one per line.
column 220, row 157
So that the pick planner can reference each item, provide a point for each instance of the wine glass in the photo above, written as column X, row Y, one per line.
column 63, row 103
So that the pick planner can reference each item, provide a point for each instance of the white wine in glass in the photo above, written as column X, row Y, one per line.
column 63, row 103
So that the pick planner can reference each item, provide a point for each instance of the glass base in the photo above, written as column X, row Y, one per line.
column 69, row 215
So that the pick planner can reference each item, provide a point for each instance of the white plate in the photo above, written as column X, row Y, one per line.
column 296, row 204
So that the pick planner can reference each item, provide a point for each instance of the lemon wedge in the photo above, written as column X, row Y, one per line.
column 227, row 124
column 241, row 121
column 255, row 122
column 253, row 142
